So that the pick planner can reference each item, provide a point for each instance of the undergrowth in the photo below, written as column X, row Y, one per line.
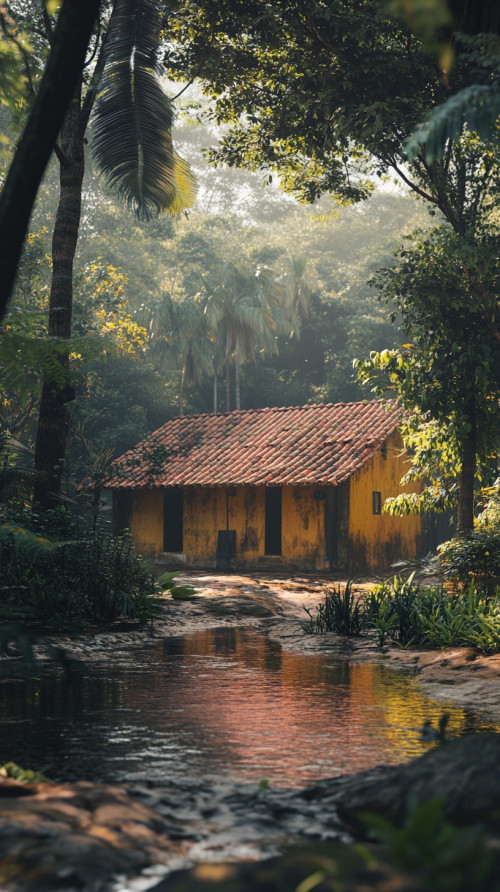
column 60, row 573
column 404, row 613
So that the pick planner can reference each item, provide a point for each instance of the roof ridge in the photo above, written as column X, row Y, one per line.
column 261, row 409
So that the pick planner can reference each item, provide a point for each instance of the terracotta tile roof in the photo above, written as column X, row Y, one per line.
column 318, row 444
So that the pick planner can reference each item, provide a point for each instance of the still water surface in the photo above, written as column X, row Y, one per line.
column 222, row 703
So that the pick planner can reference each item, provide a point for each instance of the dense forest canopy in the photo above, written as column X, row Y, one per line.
column 321, row 100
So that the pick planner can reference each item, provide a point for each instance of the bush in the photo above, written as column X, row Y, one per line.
column 476, row 556
column 61, row 573
column 405, row 613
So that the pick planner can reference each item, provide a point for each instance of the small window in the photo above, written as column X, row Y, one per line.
column 376, row 503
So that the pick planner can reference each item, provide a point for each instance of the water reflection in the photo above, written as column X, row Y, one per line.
column 218, row 702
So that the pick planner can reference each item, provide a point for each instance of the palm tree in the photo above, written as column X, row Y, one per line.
column 245, row 305
column 178, row 329
column 298, row 289
column 133, row 118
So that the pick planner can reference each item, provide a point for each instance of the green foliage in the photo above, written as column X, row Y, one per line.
column 342, row 612
column 402, row 613
column 439, row 855
column 23, row 775
column 165, row 582
column 392, row 609
column 476, row 106
column 133, row 117
column 447, row 375
column 409, row 614
column 84, row 575
column 489, row 516
column 473, row 557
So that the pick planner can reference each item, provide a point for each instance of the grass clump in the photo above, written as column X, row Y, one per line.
column 342, row 612
column 404, row 613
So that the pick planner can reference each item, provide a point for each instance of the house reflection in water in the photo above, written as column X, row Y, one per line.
column 222, row 703
column 294, row 718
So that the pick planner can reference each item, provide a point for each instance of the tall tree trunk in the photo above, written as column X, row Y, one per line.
column 62, row 74
column 52, row 430
column 465, row 522
column 216, row 397
column 183, row 389
column 228, row 373
column 237, row 384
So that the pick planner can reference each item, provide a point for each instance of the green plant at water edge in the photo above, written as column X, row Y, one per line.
column 442, row 857
column 404, row 613
column 85, row 576
column 391, row 610
column 467, row 619
column 342, row 612
column 177, row 592
column 23, row 775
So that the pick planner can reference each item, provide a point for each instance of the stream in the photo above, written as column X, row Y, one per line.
column 219, row 704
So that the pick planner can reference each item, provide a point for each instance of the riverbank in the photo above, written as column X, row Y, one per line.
column 100, row 838
column 274, row 605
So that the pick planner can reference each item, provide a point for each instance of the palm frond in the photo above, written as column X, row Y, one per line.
column 133, row 117
column 476, row 107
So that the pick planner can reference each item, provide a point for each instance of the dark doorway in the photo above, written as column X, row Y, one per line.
column 122, row 510
column 273, row 520
column 173, row 504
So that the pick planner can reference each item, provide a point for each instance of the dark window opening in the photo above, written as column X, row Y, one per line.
column 376, row 503
column 173, row 504
column 273, row 520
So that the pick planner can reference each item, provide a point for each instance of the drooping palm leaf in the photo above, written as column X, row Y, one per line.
column 133, row 117
column 476, row 107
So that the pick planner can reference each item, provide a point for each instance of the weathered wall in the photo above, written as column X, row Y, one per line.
column 207, row 511
column 303, row 528
column 146, row 520
column 377, row 540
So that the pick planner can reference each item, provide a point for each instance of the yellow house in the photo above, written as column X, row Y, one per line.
column 297, row 488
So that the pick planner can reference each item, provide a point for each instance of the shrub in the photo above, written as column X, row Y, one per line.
column 476, row 556
column 392, row 609
column 78, row 576
column 405, row 613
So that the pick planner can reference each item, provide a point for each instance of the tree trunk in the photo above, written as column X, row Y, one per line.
column 228, row 374
column 237, row 384
column 216, row 398
column 52, row 430
column 183, row 389
column 465, row 523
column 62, row 74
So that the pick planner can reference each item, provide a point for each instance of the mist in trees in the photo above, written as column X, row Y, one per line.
column 206, row 305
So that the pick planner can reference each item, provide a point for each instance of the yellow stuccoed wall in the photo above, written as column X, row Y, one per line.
column 146, row 521
column 377, row 540
column 303, row 529
column 206, row 511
